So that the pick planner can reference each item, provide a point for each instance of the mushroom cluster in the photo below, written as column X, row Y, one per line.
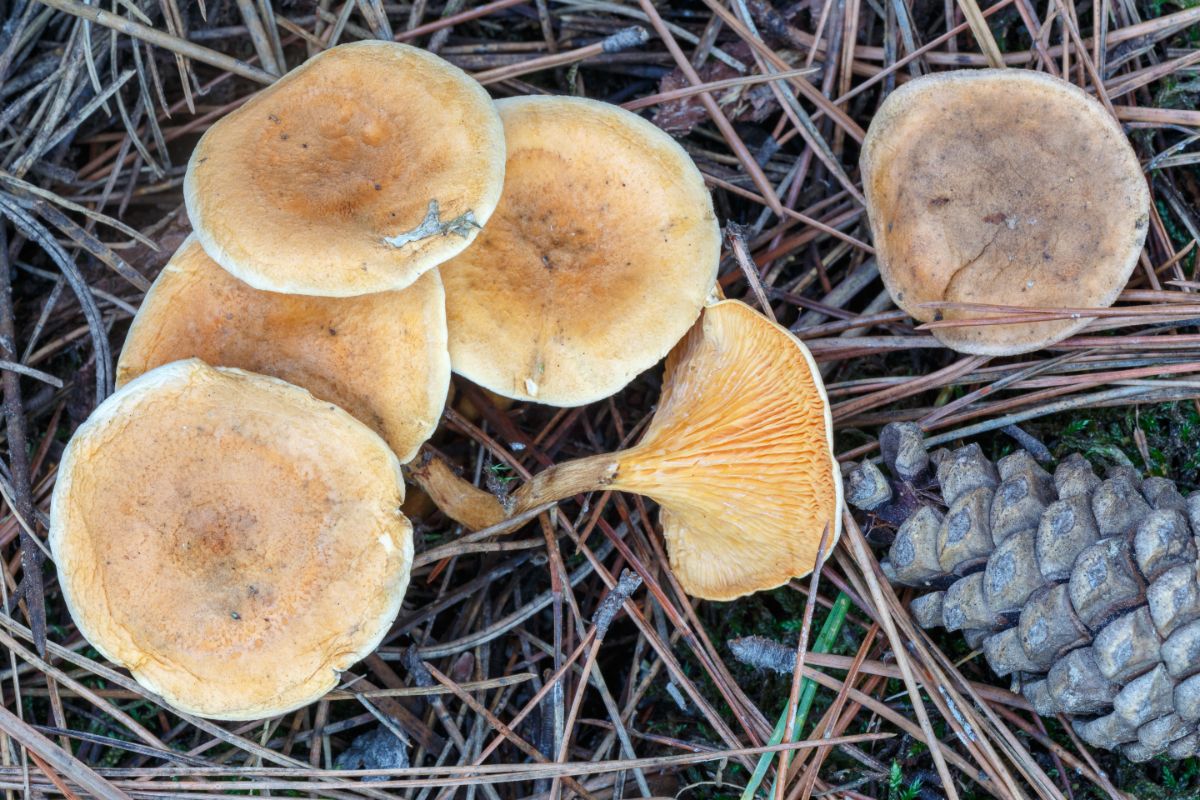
column 228, row 524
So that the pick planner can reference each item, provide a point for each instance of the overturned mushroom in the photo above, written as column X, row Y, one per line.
column 355, row 173
column 231, row 540
column 1003, row 187
column 597, row 260
column 738, row 456
column 382, row 356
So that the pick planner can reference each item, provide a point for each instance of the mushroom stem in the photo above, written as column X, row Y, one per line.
column 458, row 499
column 566, row 480
column 477, row 509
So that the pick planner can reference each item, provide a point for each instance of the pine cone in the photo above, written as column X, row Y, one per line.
column 1085, row 591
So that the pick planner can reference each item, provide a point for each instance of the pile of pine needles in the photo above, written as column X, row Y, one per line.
column 526, row 665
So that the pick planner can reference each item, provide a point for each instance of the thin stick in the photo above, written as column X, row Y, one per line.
column 462, row 16
column 982, row 33
column 867, row 564
column 522, row 745
column 630, row 37
column 737, row 243
column 18, row 458
column 165, row 40
column 830, row 630
column 64, row 763
column 716, row 86
column 714, row 111
column 791, row 728
column 258, row 36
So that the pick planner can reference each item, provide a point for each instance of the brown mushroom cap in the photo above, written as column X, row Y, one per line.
column 301, row 189
column 228, row 538
column 597, row 260
column 739, row 457
column 1004, row 187
column 381, row 356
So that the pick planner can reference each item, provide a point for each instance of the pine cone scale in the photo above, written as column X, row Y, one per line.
column 1085, row 592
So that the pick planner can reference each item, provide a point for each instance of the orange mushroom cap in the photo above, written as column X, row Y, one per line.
column 598, row 259
column 381, row 356
column 354, row 173
column 1005, row 187
column 231, row 540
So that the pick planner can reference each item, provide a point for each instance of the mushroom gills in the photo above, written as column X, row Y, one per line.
column 742, row 469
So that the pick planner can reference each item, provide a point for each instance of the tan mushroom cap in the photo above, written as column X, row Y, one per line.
column 739, row 457
column 382, row 356
column 1004, row 187
column 344, row 177
column 597, row 260
column 232, row 541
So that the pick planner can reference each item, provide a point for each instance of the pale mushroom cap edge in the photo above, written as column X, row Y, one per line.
column 114, row 641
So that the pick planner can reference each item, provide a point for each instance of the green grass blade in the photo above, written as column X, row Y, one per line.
column 808, row 691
